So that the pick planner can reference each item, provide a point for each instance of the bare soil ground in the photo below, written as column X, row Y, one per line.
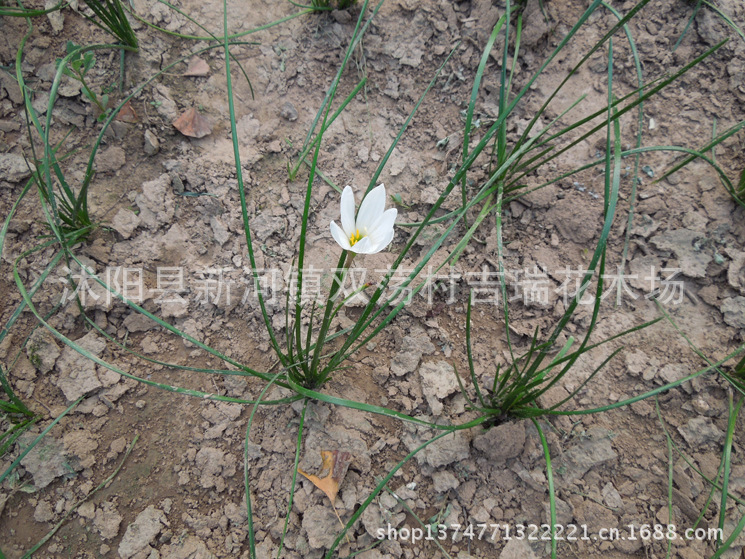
column 174, row 206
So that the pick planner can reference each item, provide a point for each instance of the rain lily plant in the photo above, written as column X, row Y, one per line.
column 372, row 230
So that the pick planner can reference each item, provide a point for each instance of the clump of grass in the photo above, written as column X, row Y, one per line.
column 110, row 17
column 332, row 4
column 114, row 20
column 13, row 411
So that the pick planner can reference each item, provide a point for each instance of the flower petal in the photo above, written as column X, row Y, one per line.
column 383, row 242
column 339, row 236
column 371, row 209
column 363, row 246
column 383, row 228
column 385, row 221
column 347, row 211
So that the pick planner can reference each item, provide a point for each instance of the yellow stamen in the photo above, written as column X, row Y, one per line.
column 355, row 238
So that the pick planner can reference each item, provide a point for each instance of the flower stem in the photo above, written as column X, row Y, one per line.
column 350, row 257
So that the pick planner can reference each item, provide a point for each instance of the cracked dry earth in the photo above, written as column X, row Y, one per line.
column 171, row 203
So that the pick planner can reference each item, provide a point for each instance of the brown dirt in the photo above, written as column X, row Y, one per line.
column 183, row 482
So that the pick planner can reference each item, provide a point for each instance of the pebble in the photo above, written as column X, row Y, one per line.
column 110, row 159
column 152, row 145
column 444, row 481
column 687, row 247
column 733, row 309
column 438, row 382
column 699, row 431
column 142, row 532
column 77, row 373
column 288, row 112
column 611, row 497
column 125, row 222
column 447, row 450
column 502, row 442
column 517, row 549
column 588, row 453
column 320, row 524
column 13, row 167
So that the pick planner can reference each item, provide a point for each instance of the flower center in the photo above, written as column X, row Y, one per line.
column 355, row 238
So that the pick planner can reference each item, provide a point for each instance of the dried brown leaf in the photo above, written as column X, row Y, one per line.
column 192, row 124
column 126, row 113
column 335, row 464
column 197, row 67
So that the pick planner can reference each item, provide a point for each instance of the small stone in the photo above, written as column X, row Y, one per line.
column 672, row 372
column 10, row 85
column 288, row 111
column 9, row 126
column 118, row 445
column 69, row 87
column 709, row 295
column 215, row 466
column 43, row 512
column 142, row 532
column 611, row 496
column 405, row 362
column 220, row 231
column 42, row 350
column 444, row 481
column 644, row 226
column 125, row 222
column 636, row 362
column 137, row 322
column 644, row 271
column 733, row 309
column 686, row 245
column 699, row 431
column 320, row 524
column 87, row 510
column 265, row 225
column 164, row 103
column 197, row 67
column 140, row 404
column 447, row 450
column 152, row 145
column 110, row 159
column 78, row 373
column 517, row 548
column 502, row 442
column 56, row 17
column 438, row 382
column 189, row 548
column 13, row 167
column 736, row 270
column 588, row 453
column 341, row 16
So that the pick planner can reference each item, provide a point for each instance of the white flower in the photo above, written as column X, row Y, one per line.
column 372, row 231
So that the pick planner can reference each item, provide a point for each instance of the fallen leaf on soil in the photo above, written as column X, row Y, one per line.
column 126, row 113
column 192, row 124
column 336, row 464
column 197, row 67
